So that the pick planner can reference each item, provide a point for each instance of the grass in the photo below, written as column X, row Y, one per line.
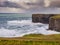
column 32, row 39
column 56, row 17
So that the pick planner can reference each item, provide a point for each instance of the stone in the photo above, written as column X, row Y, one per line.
column 52, row 19
column 54, row 23
column 41, row 18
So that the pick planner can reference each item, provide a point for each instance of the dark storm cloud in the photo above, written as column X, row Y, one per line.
column 9, row 4
column 39, row 3
column 29, row 5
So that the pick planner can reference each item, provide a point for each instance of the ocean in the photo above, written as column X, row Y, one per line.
column 18, row 25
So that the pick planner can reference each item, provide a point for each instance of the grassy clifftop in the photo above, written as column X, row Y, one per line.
column 56, row 17
column 32, row 39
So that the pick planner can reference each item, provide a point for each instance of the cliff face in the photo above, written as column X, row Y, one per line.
column 43, row 18
column 54, row 23
column 52, row 19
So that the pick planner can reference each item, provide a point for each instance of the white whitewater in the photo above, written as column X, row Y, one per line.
column 17, row 28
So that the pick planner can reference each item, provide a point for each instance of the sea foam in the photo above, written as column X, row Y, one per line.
column 19, row 28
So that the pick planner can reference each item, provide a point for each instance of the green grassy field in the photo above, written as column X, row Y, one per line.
column 32, row 39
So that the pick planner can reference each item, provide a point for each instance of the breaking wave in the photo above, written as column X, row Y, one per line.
column 19, row 28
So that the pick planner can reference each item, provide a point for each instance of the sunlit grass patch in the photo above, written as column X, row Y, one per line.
column 32, row 39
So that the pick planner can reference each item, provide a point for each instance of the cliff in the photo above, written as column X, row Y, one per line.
column 43, row 18
column 52, row 19
column 54, row 23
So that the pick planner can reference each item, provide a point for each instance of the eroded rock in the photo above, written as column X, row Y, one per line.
column 54, row 23
column 42, row 18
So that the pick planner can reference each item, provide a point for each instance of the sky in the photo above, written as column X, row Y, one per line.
column 29, row 6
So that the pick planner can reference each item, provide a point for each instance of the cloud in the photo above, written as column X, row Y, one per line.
column 44, row 11
column 47, row 3
column 28, row 5
column 9, row 4
column 22, row 5
column 55, row 4
column 11, row 10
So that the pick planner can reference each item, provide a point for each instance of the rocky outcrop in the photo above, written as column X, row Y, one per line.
column 54, row 23
column 52, row 19
column 42, row 18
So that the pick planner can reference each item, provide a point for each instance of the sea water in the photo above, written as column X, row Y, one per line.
column 18, row 25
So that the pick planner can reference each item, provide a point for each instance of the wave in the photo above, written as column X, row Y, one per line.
column 19, row 28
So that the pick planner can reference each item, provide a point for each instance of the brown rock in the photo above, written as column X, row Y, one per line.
column 52, row 19
column 54, row 23
column 42, row 18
